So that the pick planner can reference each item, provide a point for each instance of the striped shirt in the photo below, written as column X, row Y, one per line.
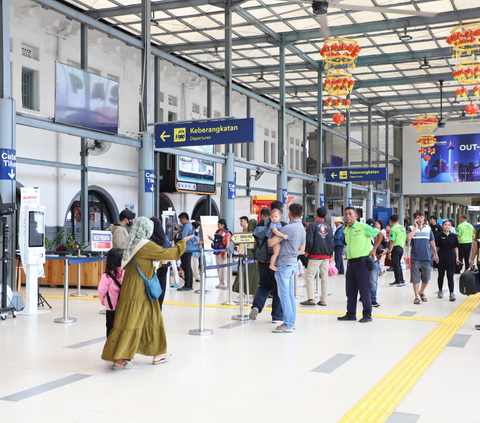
column 421, row 243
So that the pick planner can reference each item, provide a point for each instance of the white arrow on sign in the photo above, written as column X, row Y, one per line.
column 11, row 174
column 152, row 188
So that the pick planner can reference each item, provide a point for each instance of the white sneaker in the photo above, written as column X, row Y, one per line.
column 254, row 313
column 440, row 294
column 452, row 297
column 277, row 322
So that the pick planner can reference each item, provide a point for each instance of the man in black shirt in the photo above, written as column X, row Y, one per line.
column 436, row 229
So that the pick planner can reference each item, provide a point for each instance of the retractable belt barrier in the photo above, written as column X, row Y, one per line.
column 71, row 260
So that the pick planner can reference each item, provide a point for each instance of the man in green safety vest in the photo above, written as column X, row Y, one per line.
column 398, row 235
column 466, row 234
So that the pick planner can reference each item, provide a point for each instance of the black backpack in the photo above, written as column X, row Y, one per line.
column 261, row 251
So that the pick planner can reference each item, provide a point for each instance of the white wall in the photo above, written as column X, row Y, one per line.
column 411, row 170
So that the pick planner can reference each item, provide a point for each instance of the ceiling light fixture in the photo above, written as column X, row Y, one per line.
column 295, row 96
column 425, row 64
column 455, row 101
column 261, row 78
column 215, row 54
column 405, row 37
column 319, row 7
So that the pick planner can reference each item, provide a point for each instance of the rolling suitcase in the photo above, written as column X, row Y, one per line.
column 470, row 282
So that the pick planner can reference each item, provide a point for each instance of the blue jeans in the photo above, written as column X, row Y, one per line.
column 285, row 284
column 374, row 280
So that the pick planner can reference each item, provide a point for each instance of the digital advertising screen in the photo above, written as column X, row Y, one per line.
column 196, row 175
column 85, row 99
column 453, row 158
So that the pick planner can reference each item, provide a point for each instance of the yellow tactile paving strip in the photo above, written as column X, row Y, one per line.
column 384, row 398
column 335, row 313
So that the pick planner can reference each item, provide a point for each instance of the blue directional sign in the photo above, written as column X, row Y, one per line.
column 322, row 200
column 205, row 133
column 8, row 166
column 149, row 181
column 380, row 200
column 231, row 190
column 284, row 196
column 350, row 202
column 356, row 174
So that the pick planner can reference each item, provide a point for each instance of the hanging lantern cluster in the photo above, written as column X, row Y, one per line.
column 465, row 41
column 426, row 142
column 425, row 123
column 340, row 55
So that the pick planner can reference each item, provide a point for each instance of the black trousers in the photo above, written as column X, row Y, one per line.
column 110, row 315
column 162, row 277
column 396, row 255
column 186, row 260
column 441, row 275
column 267, row 285
column 464, row 251
column 358, row 280
column 339, row 259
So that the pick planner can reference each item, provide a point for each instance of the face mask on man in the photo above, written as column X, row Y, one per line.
column 130, row 223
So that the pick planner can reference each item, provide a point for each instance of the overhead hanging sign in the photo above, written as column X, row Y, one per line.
column 8, row 165
column 356, row 174
column 205, row 133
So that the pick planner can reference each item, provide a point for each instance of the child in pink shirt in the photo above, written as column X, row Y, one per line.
column 110, row 284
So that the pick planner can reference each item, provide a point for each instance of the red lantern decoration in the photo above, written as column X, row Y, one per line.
column 338, row 118
column 347, row 104
column 472, row 109
column 427, row 158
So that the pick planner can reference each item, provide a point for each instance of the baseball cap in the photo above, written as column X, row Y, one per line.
column 370, row 222
column 338, row 219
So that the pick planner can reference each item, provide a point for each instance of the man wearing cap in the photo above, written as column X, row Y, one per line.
column 119, row 233
column 360, row 261
column 339, row 244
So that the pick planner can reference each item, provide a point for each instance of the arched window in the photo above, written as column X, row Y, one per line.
column 200, row 208
column 100, row 210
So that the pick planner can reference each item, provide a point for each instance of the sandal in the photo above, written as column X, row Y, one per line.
column 128, row 366
column 162, row 360
column 279, row 329
column 423, row 298
column 417, row 301
column 307, row 303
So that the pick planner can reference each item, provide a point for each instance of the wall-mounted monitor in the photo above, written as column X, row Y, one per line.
column 85, row 99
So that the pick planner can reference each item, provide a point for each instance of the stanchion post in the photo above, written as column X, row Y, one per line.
column 295, row 287
column 242, row 317
column 247, row 285
column 229, row 281
column 65, row 318
column 79, row 282
column 201, row 331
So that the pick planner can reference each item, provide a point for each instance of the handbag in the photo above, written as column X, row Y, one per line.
column 332, row 270
column 152, row 286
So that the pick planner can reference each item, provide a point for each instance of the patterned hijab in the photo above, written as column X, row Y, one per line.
column 140, row 233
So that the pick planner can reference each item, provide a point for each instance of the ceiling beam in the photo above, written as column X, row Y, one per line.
column 370, row 27
column 344, row 30
column 110, row 12
column 374, row 60
column 368, row 83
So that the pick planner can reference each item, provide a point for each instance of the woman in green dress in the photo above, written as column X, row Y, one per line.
column 252, row 268
column 138, row 326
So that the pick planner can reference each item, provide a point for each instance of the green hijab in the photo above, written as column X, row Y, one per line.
column 252, row 224
column 141, row 232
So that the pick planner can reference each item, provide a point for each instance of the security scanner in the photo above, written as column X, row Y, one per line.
column 34, row 254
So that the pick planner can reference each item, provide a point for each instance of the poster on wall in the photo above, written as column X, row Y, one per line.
column 456, row 158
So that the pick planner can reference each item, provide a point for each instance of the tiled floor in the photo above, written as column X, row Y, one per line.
column 51, row 372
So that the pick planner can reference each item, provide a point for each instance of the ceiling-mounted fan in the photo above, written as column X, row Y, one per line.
column 320, row 9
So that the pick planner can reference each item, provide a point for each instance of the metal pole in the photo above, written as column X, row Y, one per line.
column 319, row 120
column 103, row 311
column 282, row 179
column 247, row 283
column 79, row 281
column 369, row 211
column 201, row 331
column 229, row 282
column 242, row 317
column 295, row 280
column 65, row 318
